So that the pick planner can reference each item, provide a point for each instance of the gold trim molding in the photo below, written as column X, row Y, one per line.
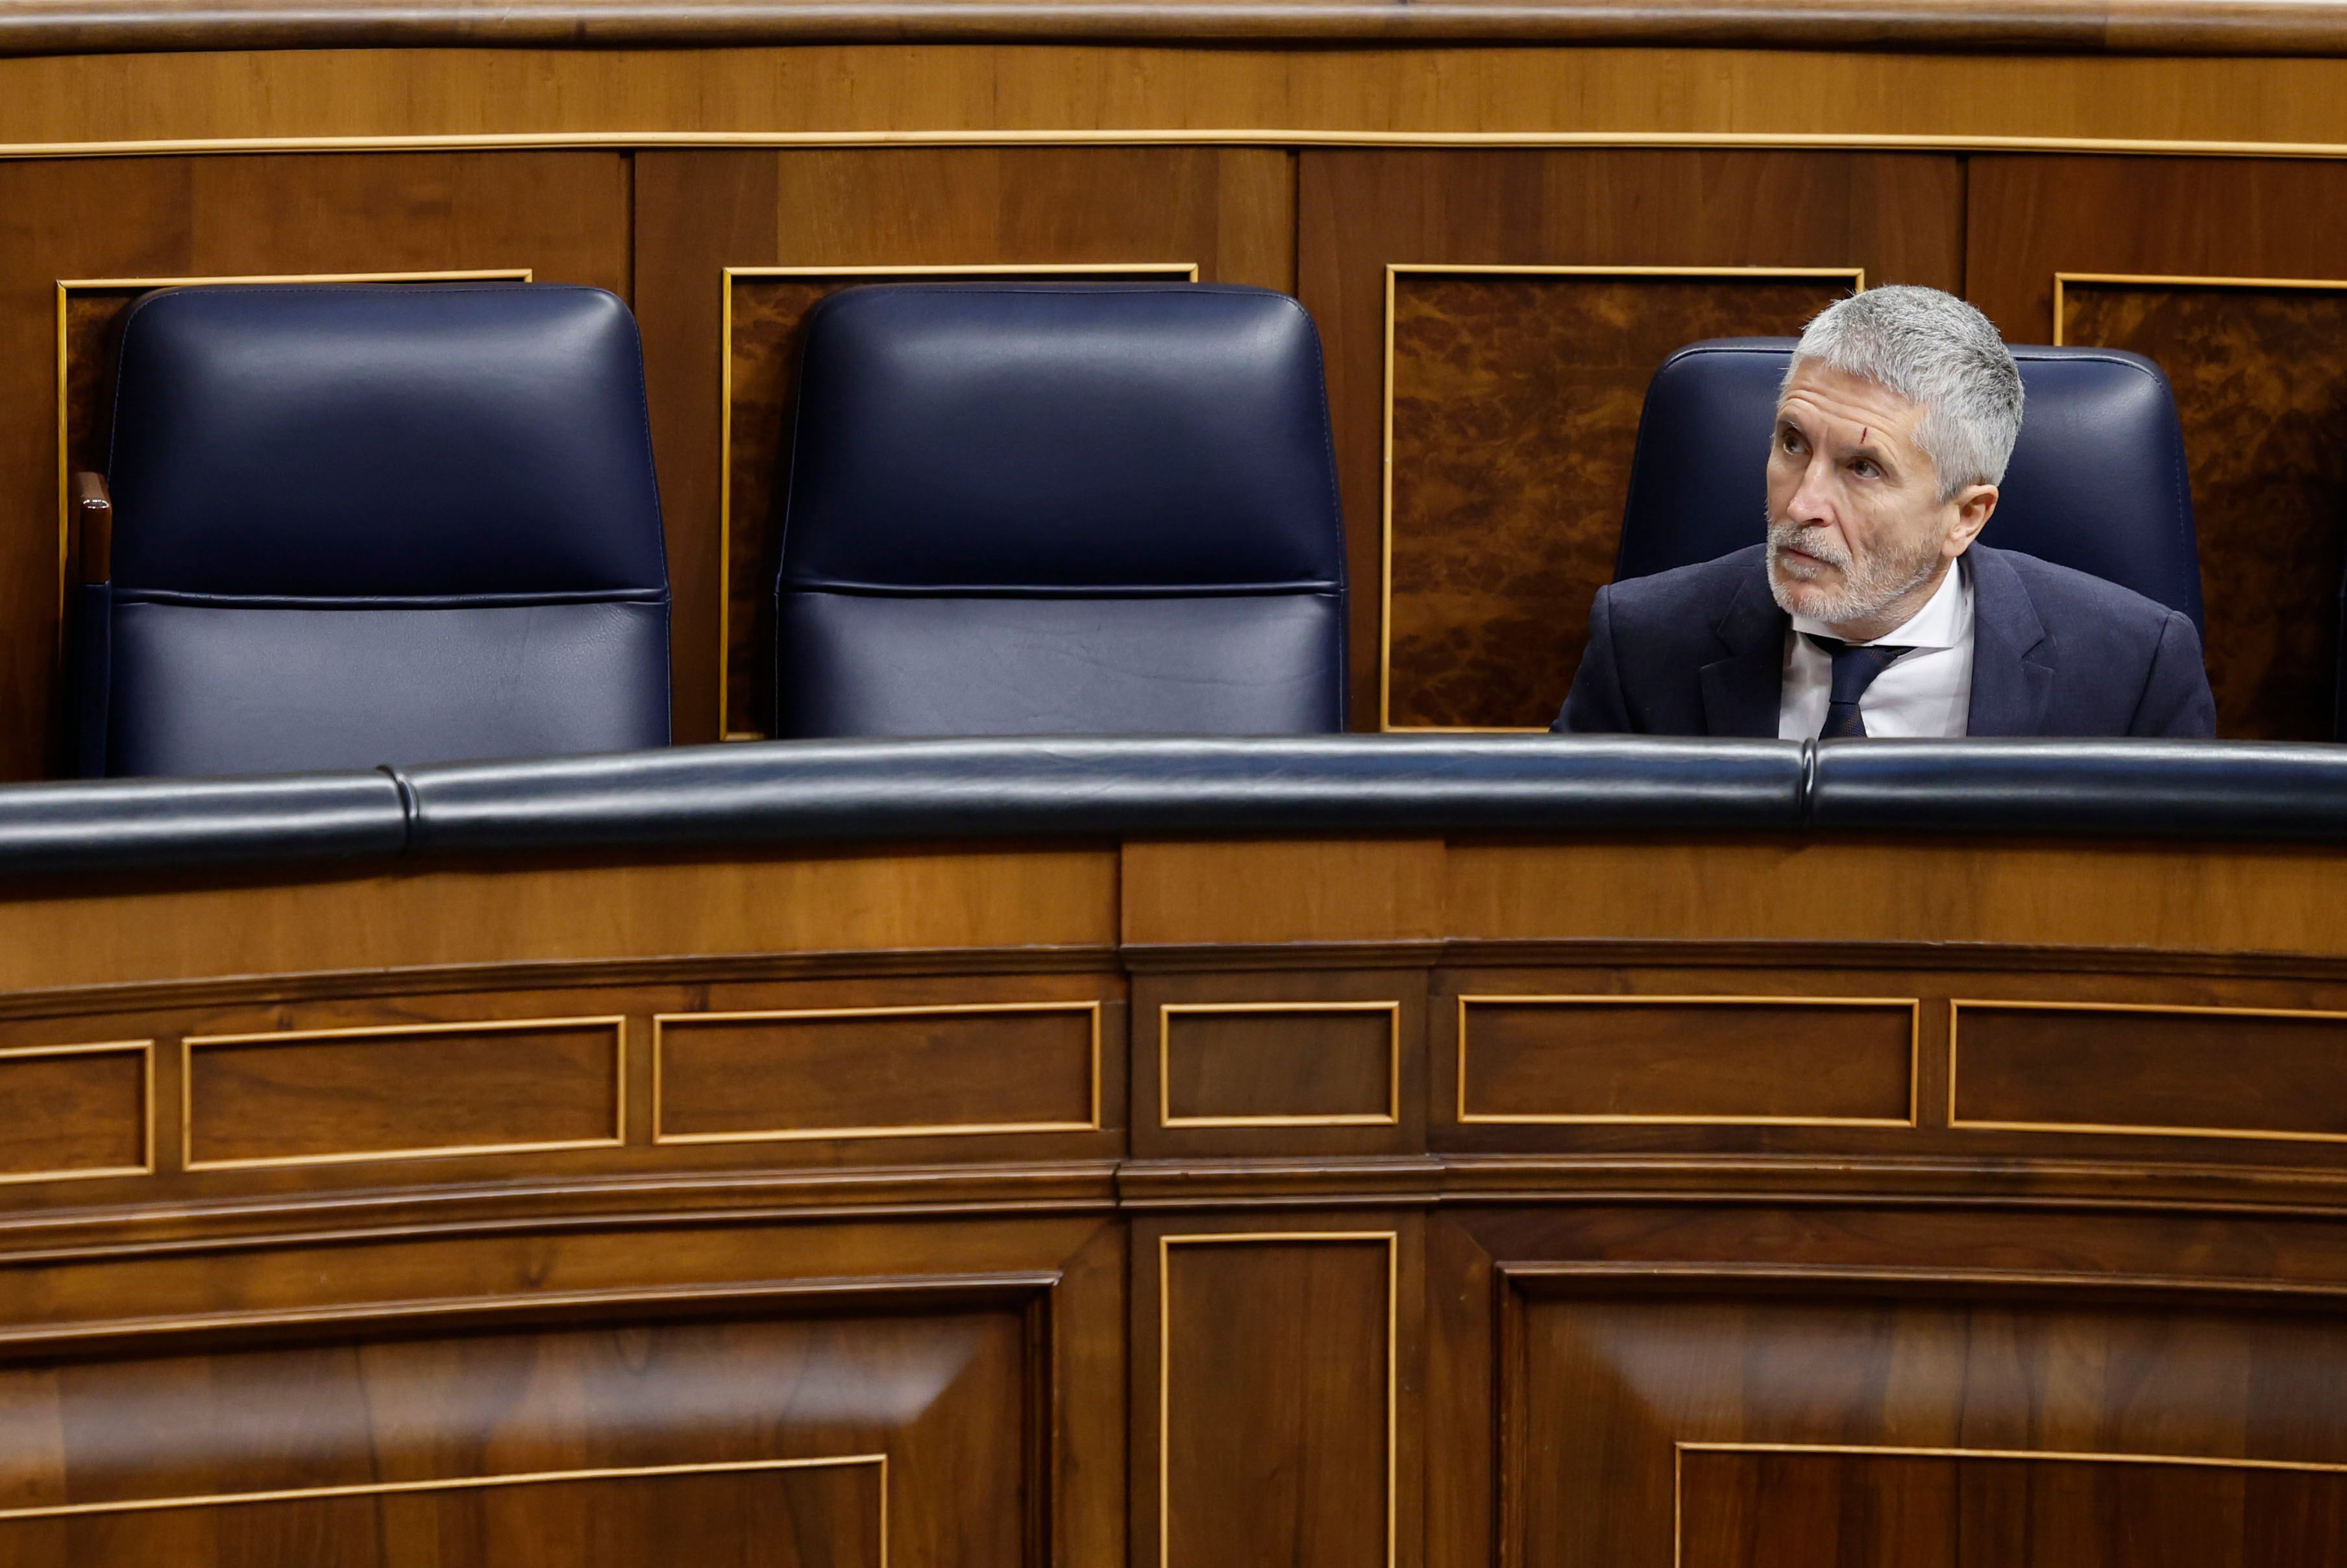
column 1390, row 1117
column 65, row 287
column 192, row 1043
column 1956, row 1006
column 1913, row 1005
column 1391, row 1241
column 459, row 1483
column 146, row 1050
column 1394, row 272
column 2061, row 281
column 663, row 1022
column 1006, row 271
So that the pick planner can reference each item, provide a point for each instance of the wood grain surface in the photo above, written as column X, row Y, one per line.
column 1515, row 412
column 1492, row 570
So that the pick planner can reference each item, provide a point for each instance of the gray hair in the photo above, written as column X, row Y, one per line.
column 1939, row 353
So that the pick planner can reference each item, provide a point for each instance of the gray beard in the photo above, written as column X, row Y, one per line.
column 1868, row 587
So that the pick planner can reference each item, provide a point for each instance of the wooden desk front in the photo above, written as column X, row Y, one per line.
column 1599, row 1203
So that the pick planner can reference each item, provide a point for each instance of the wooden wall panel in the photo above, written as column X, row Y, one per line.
column 563, row 214
column 2207, row 1072
column 324, row 1096
column 1597, row 1059
column 1616, row 1393
column 1313, row 1063
column 1514, row 412
column 984, row 1067
column 75, row 1110
column 2261, row 378
column 1277, row 1396
column 1229, row 211
column 1898, row 216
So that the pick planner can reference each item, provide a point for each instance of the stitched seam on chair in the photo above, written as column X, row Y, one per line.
column 185, row 598
column 407, row 810
column 1806, row 797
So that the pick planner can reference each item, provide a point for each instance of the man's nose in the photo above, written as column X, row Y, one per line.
column 1812, row 499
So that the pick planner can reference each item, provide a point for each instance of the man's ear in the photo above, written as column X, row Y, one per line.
column 1975, row 503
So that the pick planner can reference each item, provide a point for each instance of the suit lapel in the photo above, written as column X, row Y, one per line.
column 1743, row 688
column 2013, row 682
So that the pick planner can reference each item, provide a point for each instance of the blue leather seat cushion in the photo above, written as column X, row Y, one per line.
column 888, row 665
column 211, row 689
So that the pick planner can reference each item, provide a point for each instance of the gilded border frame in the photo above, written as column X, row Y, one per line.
column 1394, row 269
column 146, row 1050
column 2161, row 279
column 64, row 287
column 1391, row 1240
column 1007, row 271
column 663, row 1022
column 1914, row 1006
column 1956, row 1006
column 1391, row 1118
column 189, row 1044
column 460, row 1483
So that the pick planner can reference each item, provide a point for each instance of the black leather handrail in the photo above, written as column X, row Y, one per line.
column 846, row 792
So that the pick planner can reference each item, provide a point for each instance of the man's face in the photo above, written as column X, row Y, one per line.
column 1857, row 536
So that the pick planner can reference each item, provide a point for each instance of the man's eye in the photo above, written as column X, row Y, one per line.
column 1864, row 469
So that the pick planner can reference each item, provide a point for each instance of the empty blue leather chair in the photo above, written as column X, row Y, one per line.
column 1053, row 509
column 2098, row 481
column 357, row 525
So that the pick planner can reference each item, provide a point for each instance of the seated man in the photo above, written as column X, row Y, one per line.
column 1870, row 610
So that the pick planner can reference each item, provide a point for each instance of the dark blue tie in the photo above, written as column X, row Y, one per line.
column 1854, row 670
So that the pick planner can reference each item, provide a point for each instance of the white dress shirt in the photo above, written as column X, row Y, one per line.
column 1928, row 693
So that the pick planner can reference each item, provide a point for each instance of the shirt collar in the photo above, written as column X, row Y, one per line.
column 1943, row 621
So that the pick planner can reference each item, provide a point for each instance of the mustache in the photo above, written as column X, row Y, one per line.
column 1811, row 539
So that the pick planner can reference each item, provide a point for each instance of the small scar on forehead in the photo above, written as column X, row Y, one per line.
column 1864, row 431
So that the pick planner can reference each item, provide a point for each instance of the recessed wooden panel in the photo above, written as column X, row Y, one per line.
column 1276, row 1400
column 1757, row 1508
column 2261, row 377
column 818, row 1513
column 765, row 320
column 2203, row 1071
column 75, row 1110
column 1253, row 1064
column 886, row 1072
column 1751, row 1060
column 1480, row 644
column 1514, row 413
column 316, row 1097
column 2261, row 374
column 1613, row 1393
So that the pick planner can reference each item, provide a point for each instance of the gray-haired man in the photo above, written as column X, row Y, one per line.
column 1870, row 611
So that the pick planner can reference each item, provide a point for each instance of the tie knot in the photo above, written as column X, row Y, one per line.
column 1855, row 666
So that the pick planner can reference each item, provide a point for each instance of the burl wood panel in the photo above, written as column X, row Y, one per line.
column 982, row 1069
column 821, row 1515
column 1601, row 1059
column 1515, row 413
column 562, row 214
column 942, row 1390
column 1276, row 1388
column 1237, row 1063
column 1900, row 217
column 73, row 1111
column 1229, row 211
column 2083, row 1069
column 369, row 1093
column 1609, row 1385
column 2261, row 378
column 1759, row 1510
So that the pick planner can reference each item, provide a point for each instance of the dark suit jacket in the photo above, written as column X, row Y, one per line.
column 1701, row 651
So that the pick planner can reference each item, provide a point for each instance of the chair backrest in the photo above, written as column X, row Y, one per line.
column 2098, row 481
column 1060, row 509
column 365, row 523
